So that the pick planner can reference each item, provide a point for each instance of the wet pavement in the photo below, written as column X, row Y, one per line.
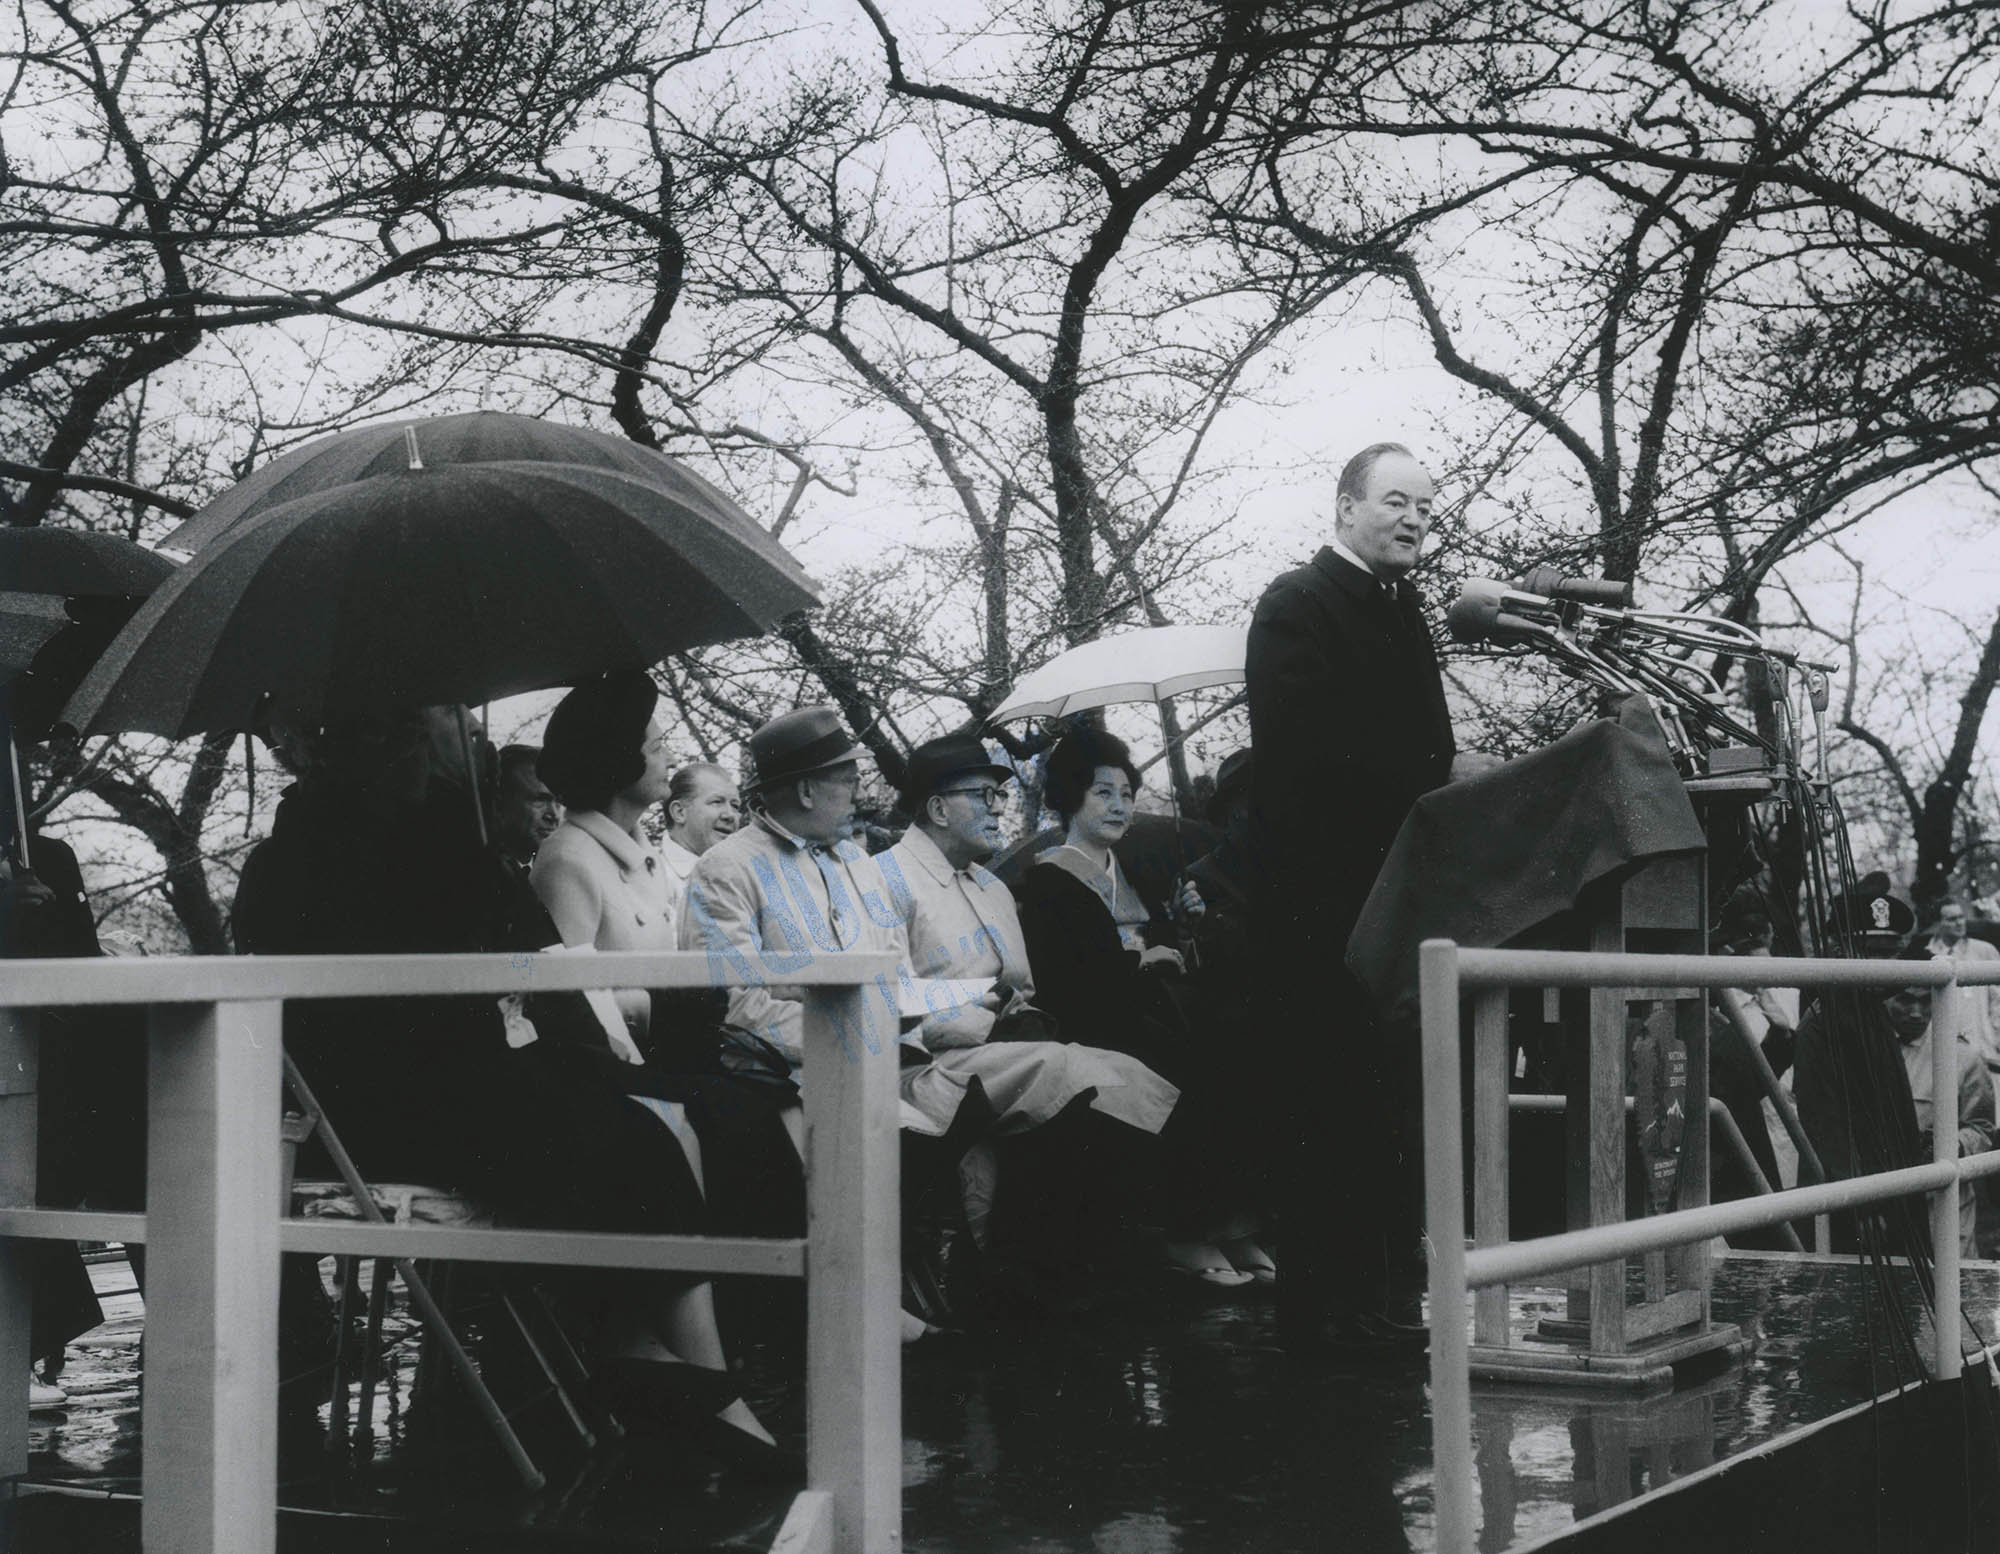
column 1155, row 1426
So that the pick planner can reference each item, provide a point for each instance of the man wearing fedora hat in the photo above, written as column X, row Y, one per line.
column 970, row 960
column 786, row 887
column 1864, row 1084
column 972, row 975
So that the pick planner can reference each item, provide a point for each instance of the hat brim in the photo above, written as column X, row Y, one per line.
column 858, row 753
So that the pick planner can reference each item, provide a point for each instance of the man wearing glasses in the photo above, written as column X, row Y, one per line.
column 972, row 974
column 786, row 887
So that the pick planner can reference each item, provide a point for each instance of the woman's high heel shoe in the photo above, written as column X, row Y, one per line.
column 1248, row 1257
column 672, row 1397
column 1203, row 1265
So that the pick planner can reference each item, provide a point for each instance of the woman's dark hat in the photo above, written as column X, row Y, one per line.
column 799, row 743
column 955, row 755
column 592, row 745
column 1232, row 778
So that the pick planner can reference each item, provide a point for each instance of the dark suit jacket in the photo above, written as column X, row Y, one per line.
column 92, row 1142
column 1349, row 725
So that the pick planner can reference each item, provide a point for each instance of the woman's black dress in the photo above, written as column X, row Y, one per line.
column 1088, row 979
column 427, row 1089
column 1094, row 986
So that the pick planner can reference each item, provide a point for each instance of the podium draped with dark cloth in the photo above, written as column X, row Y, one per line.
column 1487, row 859
column 1592, row 843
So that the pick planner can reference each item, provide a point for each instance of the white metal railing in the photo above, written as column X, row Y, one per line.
column 1446, row 970
column 1719, row 1120
column 213, row 1240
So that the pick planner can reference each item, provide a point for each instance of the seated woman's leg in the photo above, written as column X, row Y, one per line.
column 588, row 1157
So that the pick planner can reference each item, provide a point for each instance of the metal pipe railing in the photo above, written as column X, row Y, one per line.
column 1774, row 1092
column 1445, row 970
column 1719, row 1118
column 214, row 1236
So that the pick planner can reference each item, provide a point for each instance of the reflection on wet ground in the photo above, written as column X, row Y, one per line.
column 1154, row 1428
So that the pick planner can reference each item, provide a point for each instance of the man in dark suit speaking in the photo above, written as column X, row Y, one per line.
column 1349, row 727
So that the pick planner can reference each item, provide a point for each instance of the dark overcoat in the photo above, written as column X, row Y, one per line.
column 429, row 1089
column 1350, row 728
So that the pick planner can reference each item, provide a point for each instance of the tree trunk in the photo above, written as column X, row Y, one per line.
column 175, row 832
column 855, row 706
column 1937, row 821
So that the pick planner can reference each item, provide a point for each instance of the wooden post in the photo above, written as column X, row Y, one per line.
column 1490, row 1118
column 1607, row 1135
column 854, row 1357
column 211, row 1397
column 1574, row 1005
column 19, row 1070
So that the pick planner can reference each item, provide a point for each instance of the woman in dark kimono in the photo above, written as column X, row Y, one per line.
column 369, row 856
column 1104, row 967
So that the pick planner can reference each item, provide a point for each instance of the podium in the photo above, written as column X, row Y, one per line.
column 1627, row 1323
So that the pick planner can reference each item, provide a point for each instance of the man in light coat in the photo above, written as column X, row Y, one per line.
column 971, row 968
column 783, row 890
column 1909, row 1014
column 1978, row 1006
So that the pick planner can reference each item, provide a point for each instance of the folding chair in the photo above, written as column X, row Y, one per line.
column 352, row 1197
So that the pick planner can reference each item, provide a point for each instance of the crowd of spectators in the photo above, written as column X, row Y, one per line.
column 1054, row 1032
column 1119, row 1047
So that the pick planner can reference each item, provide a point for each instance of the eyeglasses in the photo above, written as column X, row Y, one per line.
column 995, row 799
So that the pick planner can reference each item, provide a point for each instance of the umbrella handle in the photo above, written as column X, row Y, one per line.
column 17, row 840
column 471, row 760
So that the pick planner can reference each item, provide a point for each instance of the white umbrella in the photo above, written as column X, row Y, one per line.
column 1148, row 665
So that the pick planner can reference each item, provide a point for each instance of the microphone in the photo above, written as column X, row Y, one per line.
column 1552, row 584
column 1487, row 611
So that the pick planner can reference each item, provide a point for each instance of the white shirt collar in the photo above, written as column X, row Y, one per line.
column 1339, row 548
column 679, row 860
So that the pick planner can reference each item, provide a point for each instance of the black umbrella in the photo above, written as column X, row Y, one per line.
column 78, row 564
column 437, row 585
column 439, row 442
column 27, row 621
column 66, row 593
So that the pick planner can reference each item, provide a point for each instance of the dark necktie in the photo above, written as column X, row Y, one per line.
column 1389, row 609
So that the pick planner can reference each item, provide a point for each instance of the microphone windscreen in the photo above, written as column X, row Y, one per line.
column 1552, row 584
column 1543, row 580
column 1609, row 593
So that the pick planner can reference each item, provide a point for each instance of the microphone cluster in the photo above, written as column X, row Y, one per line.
column 1588, row 626
column 1488, row 610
